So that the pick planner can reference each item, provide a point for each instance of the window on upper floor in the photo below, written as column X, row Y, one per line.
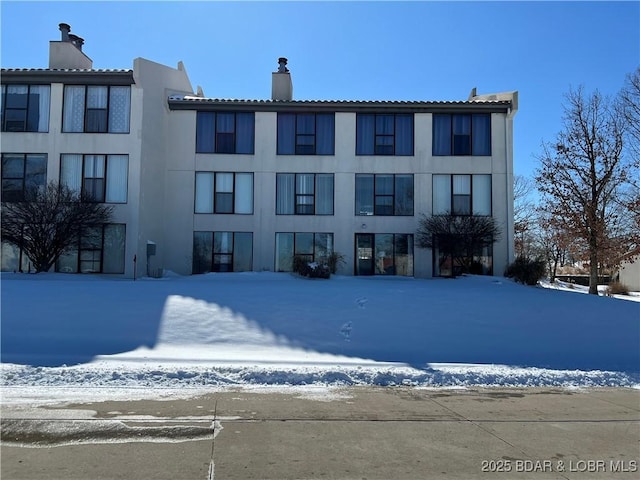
column 462, row 194
column 101, row 178
column 304, row 194
column 224, row 192
column 384, row 194
column 306, row 133
column 225, row 132
column 25, row 108
column 96, row 109
column 462, row 134
column 384, row 134
column 20, row 172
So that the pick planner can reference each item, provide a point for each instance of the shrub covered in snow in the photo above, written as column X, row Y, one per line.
column 310, row 269
column 526, row 270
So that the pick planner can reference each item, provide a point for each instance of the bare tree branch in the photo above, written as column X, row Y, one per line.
column 49, row 221
column 584, row 176
column 459, row 237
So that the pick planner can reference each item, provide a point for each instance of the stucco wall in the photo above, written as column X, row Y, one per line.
column 344, row 224
column 155, row 82
column 629, row 274
column 55, row 143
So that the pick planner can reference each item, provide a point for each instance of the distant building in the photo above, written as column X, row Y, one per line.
column 629, row 273
column 202, row 184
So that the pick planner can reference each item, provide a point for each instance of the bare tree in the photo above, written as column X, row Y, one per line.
column 554, row 243
column 458, row 237
column 49, row 221
column 629, row 106
column 524, row 212
column 583, row 174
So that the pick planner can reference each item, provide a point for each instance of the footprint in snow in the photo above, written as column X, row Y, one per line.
column 345, row 330
column 361, row 301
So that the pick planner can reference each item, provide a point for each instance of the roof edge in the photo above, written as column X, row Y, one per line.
column 70, row 76
column 195, row 103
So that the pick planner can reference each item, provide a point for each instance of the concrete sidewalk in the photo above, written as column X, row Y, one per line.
column 359, row 433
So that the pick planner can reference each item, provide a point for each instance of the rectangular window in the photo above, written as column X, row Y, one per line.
column 384, row 194
column 384, row 134
column 225, row 132
column 98, row 178
column 461, row 197
column 304, row 193
column 448, row 264
column 222, row 252
column 313, row 247
column 462, row 194
column 100, row 249
column 384, row 254
column 93, row 179
column 306, row 133
column 224, row 192
column 20, row 173
column 96, row 109
column 25, row 108
column 462, row 134
column 14, row 259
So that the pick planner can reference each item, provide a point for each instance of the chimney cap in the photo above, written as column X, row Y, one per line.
column 64, row 26
column 282, row 65
column 76, row 39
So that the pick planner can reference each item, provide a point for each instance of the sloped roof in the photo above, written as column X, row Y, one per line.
column 189, row 102
column 66, row 75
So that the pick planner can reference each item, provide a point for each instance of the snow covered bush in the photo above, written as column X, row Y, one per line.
column 310, row 269
column 526, row 270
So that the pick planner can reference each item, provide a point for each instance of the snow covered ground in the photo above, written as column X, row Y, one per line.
column 82, row 334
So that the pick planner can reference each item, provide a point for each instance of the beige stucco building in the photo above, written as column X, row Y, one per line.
column 201, row 184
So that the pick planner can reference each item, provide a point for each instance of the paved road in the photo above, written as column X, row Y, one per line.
column 362, row 433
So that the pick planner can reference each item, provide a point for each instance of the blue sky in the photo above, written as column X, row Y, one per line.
column 356, row 50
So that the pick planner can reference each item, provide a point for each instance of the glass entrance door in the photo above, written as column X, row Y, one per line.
column 364, row 254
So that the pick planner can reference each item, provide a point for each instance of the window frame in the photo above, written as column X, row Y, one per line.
column 26, row 109
column 105, row 178
column 216, row 147
column 81, row 248
column 377, row 135
column 98, row 183
column 23, row 179
column 393, row 195
column 372, row 260
column 86, row 109
column 215, row 193
column 298, row 206
column 452, row 149
column 231, row 254
column 452, row 210
column 298, row 147
column 311, row 257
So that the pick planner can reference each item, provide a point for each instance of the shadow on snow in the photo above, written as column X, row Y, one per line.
column 409, row 321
